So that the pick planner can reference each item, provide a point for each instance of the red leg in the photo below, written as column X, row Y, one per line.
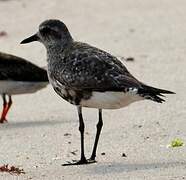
column 5, row 105
column 8, row 107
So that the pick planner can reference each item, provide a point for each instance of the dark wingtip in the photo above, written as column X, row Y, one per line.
column 166, row 91
column 170, row 92
column 154, row 94
column 157, row 90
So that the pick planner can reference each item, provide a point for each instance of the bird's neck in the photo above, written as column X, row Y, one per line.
column 56, row 52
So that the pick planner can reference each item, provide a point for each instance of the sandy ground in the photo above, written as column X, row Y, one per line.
column 154, row 33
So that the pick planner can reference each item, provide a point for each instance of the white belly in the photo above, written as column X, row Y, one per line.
column 110, row 100
column 20, row 87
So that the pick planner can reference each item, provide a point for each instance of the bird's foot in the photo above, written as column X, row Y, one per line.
column 80, row 162
column 3, row 120
column 91, row 160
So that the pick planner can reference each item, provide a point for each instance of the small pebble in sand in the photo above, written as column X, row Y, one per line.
column 3, row 33
column 146, row 138
column 74, row 152
column 103, row 153
column 158, row 123
column 123, row 155
column 129, row 59
column 67, row 134
column 137, row 126
column 126, row 59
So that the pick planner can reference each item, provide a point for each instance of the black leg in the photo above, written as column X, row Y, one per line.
column 99, row 127
column 83, row 160
column 81, row 129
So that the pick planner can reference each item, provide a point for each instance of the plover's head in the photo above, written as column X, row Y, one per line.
column 51, row 32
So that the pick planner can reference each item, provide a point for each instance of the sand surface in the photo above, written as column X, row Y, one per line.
column 36, row 139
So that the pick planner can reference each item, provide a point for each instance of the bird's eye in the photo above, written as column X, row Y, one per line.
column 45, row 30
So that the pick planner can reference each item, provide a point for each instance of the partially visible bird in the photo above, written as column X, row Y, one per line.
column 89, row 77
column 18, row 76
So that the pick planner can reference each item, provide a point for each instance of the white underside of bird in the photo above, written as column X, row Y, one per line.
column 104, row 100
column 20, row 87
column 110, row 100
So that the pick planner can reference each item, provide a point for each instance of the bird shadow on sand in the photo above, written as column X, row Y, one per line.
column 35, row 124
column 124, row 167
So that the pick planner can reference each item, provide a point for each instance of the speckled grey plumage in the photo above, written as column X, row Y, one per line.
column 83, row 68
column 77, row 69
column 87, row 76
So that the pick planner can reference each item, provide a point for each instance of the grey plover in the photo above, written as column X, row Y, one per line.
column 18, row 76
column 89, row 77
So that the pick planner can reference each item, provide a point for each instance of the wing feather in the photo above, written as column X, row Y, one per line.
column 89, row 68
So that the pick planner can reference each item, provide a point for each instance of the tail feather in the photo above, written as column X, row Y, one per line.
column 153, row 94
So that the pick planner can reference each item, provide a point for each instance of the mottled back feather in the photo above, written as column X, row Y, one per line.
column 84, row 67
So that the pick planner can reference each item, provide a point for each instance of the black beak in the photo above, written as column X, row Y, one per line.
column 30, row 39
